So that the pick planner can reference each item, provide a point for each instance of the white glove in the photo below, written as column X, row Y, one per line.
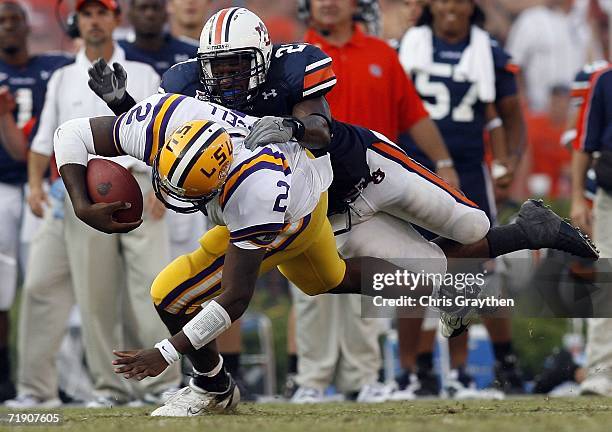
column 270, row 129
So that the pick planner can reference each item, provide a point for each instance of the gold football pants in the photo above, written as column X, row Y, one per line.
column 307, row 256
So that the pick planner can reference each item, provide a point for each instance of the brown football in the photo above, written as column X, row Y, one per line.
column 107, row 182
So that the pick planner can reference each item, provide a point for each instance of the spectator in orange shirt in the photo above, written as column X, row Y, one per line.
column 372, row 91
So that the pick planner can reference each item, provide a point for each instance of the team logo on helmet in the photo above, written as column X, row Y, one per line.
column 193, row 165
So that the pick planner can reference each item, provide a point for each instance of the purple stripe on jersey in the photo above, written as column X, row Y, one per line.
column 164, row 124
column 255, row 231
column 149, row 134
column 263, row 165
column 264, row 151
column 292, row 238
column 116, row 126
column 180, row 289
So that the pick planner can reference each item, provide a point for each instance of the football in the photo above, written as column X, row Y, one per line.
column 108, row 182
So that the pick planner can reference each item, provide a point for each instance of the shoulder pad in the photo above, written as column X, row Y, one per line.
column 180, row 76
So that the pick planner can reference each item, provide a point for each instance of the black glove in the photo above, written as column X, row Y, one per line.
column 107, row 83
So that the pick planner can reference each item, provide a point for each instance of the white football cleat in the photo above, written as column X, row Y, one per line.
column 306, row 395
column 32, row 402
column 455, row 389
column 376, row 392
column 193, row 401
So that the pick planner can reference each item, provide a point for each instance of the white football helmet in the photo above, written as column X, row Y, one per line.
column 234, row 55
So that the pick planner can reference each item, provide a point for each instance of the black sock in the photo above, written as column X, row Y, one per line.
column 5, row 364
column 231, row 361
column 403, row 380
column 292, row 364
column 424, row 362
column 502, row 350
column 218, row 383
column 462, row 376
column 505, row 239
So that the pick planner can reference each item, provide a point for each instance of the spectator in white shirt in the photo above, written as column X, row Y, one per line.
column 546, row 44
column 111, row 275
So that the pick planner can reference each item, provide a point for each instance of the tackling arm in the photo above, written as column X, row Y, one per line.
column 316, row 117
column 310, row 126
column 110, row 85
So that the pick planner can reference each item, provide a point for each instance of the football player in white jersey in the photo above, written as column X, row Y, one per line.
column 270, row 206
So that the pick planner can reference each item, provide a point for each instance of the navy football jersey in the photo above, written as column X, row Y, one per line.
column 347, row 152
column 294, row 75
column 28, row 84
column 297, row 72
column 454, row 105
column 173, row 51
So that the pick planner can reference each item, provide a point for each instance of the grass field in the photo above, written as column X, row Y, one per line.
column 529, row 414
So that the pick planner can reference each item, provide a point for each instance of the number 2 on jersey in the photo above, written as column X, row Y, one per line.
column 283, row 196
column 289, row 49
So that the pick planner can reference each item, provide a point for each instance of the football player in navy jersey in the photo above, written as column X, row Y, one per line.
column 23, row 79
column 238, row 67
column 151, row 44
column 461, row 73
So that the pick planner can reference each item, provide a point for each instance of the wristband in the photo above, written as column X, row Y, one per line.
column 209, row 323
column 124, row 106
column 494, row 124
column 568, row 138
column 168, row 351
column 444, row 163
column 297, row 126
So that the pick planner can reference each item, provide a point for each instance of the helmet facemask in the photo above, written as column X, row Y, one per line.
column 232, row 78
column 164, row 189
column 192, row 166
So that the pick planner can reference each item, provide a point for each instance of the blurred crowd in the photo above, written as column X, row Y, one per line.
column 549, row 43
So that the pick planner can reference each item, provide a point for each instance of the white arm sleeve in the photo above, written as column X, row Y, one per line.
column 43, row 140
column 73, row 142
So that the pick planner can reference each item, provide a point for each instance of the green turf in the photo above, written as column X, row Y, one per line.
column 529, row 414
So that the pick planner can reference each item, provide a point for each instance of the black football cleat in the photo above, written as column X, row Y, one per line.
column 545, row 229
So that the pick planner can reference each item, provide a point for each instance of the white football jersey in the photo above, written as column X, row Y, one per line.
column 268, row 192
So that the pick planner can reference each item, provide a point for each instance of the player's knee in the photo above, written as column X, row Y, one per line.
column 157, row 293
column 322, row 283
column 470, row 227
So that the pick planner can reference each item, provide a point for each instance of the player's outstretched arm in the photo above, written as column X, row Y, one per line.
column 240, row 271
column 310, row 126
column 73, row 143
column 110, row 85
